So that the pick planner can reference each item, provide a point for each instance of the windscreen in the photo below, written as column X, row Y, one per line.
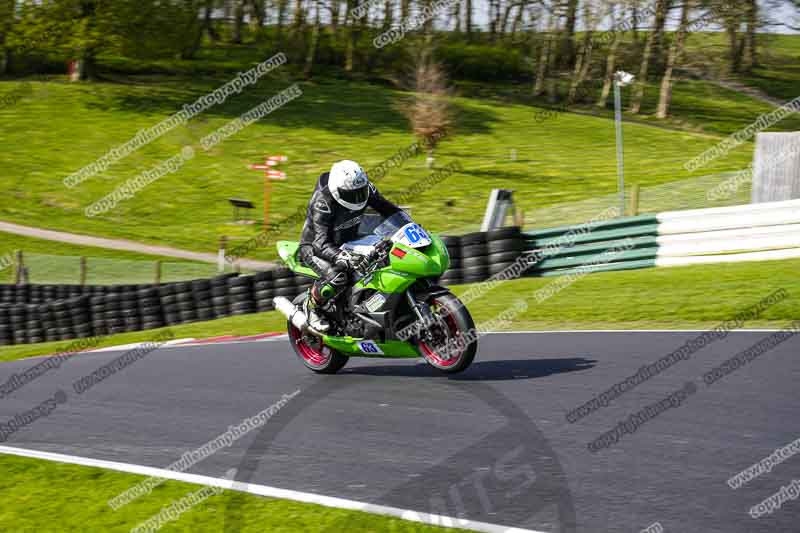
column 390, row 226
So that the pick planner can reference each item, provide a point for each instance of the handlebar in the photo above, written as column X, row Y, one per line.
column 377, row 255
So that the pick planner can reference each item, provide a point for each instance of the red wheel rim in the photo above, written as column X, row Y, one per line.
column 454, row 332
column 310, row 355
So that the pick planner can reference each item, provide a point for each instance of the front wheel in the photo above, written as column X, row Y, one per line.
column 450, row 344
column 311, row 351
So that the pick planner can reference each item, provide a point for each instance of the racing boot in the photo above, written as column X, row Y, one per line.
column 315, row 320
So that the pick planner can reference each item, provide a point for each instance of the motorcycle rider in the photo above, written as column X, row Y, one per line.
column 332, row 218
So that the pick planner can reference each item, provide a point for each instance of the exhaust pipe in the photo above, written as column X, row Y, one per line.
column 293, row 313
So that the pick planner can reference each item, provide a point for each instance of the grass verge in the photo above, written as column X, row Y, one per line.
column 36, row 492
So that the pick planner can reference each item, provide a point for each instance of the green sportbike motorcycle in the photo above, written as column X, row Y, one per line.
column 395, row 308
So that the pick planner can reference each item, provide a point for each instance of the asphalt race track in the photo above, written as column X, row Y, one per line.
column 492, row 444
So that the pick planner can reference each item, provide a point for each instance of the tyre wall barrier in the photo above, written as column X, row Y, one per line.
column 40, row 313
column 37, row 313
column 77, row 312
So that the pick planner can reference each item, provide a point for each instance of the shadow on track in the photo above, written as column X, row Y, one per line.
column 482, row 370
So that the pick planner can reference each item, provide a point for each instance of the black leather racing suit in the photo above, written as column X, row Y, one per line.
column 329, row 225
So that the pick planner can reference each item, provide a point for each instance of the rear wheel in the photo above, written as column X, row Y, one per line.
column 449, row 345
column 310, row 349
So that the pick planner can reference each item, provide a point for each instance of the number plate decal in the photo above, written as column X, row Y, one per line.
column 412, row 235
column 369, row 347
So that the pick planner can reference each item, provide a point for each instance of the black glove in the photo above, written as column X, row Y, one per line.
column 350, row 261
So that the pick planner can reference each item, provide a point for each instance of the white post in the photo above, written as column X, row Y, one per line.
column 620, row 152
column 221, row 255
column 621, row 79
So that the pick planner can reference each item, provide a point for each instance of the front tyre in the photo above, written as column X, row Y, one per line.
column 450, row 344
column 311, row 351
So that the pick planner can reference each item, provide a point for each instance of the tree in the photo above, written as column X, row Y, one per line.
column 6, row 22
column 312, row 47
column 353, row 32
column 675, row 52
column 567, row 48
column 584, row 61
column 282, row 7
column 467, row 18
column 750, row 59
column 611, row 58
column 732, row 17
column 429, row 113
column 662, row 8
column 546, row 53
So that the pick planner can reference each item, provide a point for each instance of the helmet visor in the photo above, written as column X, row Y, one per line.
column 355, row 196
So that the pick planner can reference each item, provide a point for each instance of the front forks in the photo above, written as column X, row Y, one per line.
column 423, row 312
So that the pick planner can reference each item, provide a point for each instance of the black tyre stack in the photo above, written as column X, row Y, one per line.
column 219, row 296
column 18, row 315
column 97, row 311
column 34, row 325
column 474, row 257
column 81, row 319
column 184, row 305
column 240, row 295
column 285, row 283
column 455, row 273
column 49, row 293
column 34, row 294
column 129, row 309
column 6, row 294
column 302, row 283
column 264, row 291
column 150, row 311
column 6, row 333
column 62, row 318
column 21, row 294
column 49, row 326
column 169, row 304
column 504, row 246
column 201, row 291
column 113, row 314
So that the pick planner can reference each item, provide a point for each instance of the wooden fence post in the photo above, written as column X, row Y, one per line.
column 83, row 271
column 223, row 242
column 18, row 266
column 635, row 200
column 158, row 273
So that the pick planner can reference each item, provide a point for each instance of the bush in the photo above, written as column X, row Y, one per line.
column 482, row 62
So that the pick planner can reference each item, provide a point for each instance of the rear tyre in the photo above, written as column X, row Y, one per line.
column 454, row 348
column 315, row 356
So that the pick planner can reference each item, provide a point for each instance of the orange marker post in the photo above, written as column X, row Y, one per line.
column 269, row 175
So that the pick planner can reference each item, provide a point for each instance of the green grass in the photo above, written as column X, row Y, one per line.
column 34, row 492
column 669, row 298
column 677, row 297
column 61, row 127
column 58, row 262
column 778, row 70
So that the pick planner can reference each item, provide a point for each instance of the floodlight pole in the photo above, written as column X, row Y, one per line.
column 620, row 154
column 621, row 79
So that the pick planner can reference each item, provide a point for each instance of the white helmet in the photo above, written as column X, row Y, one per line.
column 349, row 184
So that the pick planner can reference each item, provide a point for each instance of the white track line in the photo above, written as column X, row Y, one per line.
column 271, row 492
